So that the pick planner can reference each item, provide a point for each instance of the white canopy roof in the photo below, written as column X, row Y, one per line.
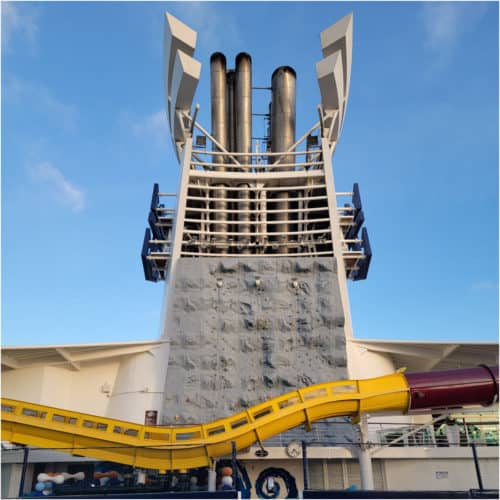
column 424, row 356
column 71, row 355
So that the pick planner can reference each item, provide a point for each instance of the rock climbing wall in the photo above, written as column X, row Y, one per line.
column 247, row 329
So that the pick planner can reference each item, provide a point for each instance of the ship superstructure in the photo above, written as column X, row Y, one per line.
column 236, row 200
column 258, row 250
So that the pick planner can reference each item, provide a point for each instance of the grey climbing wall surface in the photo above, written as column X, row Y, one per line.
column 243, row 330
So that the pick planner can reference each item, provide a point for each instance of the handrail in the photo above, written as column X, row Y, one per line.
column 268, row 200
column 264, row 255
column 254, row 233
column 214, row 187
column 256, row 222
column 255, row 153
column 306, row 211
column 270, row 166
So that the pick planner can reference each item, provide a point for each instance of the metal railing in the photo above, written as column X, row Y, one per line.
column 339, row 432
column 439, row 434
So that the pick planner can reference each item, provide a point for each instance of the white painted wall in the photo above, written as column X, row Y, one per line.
column 24, row 384
column 136, row 383
column 55, row 386
column 362, row 363
column 87, row 394
column 414, row 474
column 61, row 387
column 139, row 385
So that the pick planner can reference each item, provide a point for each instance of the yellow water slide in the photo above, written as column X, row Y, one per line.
column 186, row 447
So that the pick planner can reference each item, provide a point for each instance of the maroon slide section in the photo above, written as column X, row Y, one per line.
column 453, row 388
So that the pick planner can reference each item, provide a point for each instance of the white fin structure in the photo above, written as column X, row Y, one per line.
column 181, row 73
column 334, row 73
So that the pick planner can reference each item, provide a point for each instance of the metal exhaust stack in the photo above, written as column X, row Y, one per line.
column 243, row 136
column 243, row 105
column 230, row 121
column 282, row 138
column 219, row 132
column 218, row 100
column 283, row 111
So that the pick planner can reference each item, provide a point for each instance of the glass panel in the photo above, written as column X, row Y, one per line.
column 288, row 402
column 263, row 413
column 216, row 430
column 318, row 393
column 239, row 423
column 180, row 436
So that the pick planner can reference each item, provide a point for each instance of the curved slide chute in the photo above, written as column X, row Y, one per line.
column 186, row 447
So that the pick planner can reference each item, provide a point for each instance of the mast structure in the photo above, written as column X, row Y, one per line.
column 236, row 202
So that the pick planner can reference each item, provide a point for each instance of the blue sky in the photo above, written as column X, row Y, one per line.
column 84, row 138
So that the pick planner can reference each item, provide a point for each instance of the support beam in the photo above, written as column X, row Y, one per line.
column 26, row 451
column 305, row 471
column 365, row 468
column 407, row 350
column 297, row 143
column 212, row 479
column 365, row 457
column 9, row 362
column 110, row 353
column 447, row 350
column 222, row 149
column 67, row 357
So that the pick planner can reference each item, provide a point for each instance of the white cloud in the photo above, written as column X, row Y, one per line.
column 153, row 125
column 446, row 25
column 445, row 22
column 64, row 190
column 18, row 20
column 151, row 128
column 485, row 285
column 37, row 97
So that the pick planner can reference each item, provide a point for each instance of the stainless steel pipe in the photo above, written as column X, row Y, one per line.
column 230, row 111
column 282, row 123
column 231, row 100
column 219, row 132
column 243, row 136
column 283, row 112
column 243, row 105
column 218, row 102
